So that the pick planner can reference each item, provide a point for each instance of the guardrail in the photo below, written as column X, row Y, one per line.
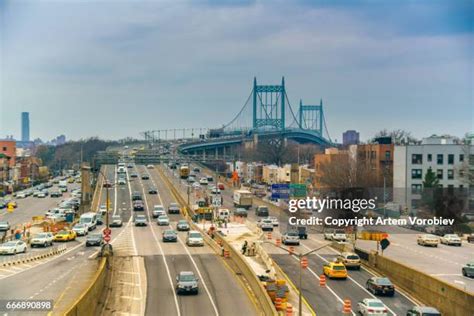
column 29, row 257
column 88, row 302
column 266, row 305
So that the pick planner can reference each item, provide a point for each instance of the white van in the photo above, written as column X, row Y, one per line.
column 89, row 219
column 223, row 214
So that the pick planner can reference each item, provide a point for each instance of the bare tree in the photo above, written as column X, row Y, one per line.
column 399, row 136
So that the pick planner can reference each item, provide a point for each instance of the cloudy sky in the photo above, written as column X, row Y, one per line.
column 116, row 68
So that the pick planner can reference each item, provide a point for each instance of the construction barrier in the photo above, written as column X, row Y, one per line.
column 226, row 253
column 291, row 250
column 278, row 242
column 322, row 280
column 278, row 304
column 269, row 236
column 347, row 308
column 304, row 262
column 289, row 309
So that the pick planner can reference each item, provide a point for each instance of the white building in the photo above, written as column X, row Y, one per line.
column 411, row 163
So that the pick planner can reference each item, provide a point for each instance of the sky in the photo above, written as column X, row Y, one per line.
column 117, row 68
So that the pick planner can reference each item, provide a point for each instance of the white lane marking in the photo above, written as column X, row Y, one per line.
column 175, row 296
column 193, row 262
column 115, row 190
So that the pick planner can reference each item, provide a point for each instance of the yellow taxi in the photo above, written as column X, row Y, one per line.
column 65, row 235
column 70, row 180
column 336, row 270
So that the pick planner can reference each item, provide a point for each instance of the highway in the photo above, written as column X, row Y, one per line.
column 328, row 300
column 220, row 292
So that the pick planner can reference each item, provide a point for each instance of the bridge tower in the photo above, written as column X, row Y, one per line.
column 311, row 117
column 269, row 105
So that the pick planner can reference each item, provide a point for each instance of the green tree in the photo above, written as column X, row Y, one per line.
column 431, row 180
column 430, row 185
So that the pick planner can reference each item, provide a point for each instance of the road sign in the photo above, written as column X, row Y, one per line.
column 107, row 238
column 298, row 190
column 384, row 243
column 107, row 231
column 280, row 191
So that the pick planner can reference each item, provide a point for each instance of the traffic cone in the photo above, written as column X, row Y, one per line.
column 269, row 235
column 278, row 303
column 347, row 307
column 304, row 262
column 289, row 309
column 278, row 242
column 322, row 280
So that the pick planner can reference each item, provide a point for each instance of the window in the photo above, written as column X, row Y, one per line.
column 416, row 188
column 450, row 159
column 387, row 155
column 372, row 154
column 450, row 174
column 430, row 157
column 439, row 159
column 417, row 159
column 461, row 158
column 416, row 173
column 439, row 173
column 4, row 149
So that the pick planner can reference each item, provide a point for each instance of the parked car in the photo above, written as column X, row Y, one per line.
column 81, row 229
column 94, row 240
column 372, row 307
column 423, row 311
column 13, row 247
column 427, row 240
column 380, row 286
column 194, row 238
column 174, row 208
column 4, row 226
column 182, row 225
column 55, row 194
column 116, row 221
column 163, row 220
column 187, row 283
column 42, row 239
column 140, row 220
column 451, row 239
column 65, row 235
column 290, row 238
column 20, row 195
column 350, row 260
column 468, row 270
column 170, row 235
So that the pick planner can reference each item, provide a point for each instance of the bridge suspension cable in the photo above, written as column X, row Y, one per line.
column 240, row 112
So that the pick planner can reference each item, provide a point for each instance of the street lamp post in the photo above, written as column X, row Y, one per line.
column 300, row 257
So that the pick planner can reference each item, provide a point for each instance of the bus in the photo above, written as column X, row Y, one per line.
column 184, row 172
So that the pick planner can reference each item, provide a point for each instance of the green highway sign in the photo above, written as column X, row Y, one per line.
column 298, row 190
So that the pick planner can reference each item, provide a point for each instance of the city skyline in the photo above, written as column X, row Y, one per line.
column 150, row 62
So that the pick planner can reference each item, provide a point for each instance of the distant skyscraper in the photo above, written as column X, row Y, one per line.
column 25, row 126
column 350, row 137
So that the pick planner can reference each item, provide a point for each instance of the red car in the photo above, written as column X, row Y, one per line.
column 221, row 186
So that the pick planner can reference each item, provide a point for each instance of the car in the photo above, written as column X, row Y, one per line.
column 145, row 177
column 372, row 307
column 4, row 226
column 136, row 196
column 129, row 166
column 81, row 229
column 12, row 204
column 174, row 208
column 197, row 170
column 241, row 212
column 140, row 220
column 96, row 239
column 182, row 225
column 13, row 247
column 163, row 220
column 138, row 205
column 3, row 204
column 121, row 181
column 196, row 185
column 350, row 260
column 133, row 175
column 170, row 235
column 290, row 238
column 35, row 193
column 107, row 184
column 423, row 311
column 55, row 194
column 116, row 221
column 20, row 195
column 187, row 283
column 42, row 239
column 152, row 190
column 203, row 181
column 194, row 238
column 158, row 210
column 335, row 270
column 468, row 270
column 380, row 286
column 63, row 189
column 150, row 167
column 451, row 239
column 65, row 235
column 274, row 220
column 265, row 224
column 41, row 194
column 221, row 186
column 427, row 240
column 262, row 210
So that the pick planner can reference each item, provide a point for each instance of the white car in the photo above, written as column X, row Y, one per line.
column 21, row 195
column 265, row 224
column 42, row 239
column 372, row 307
column 274, row 220
column 451, row 239
column 203, row 181
column 427, row 240
column 196, row 185
column 41, row 194
column 194, row 238
column 150, row 167
column 290, row 238
column 163, row 220
column 122, row 181
column 12, row 247
column 103, row 209
column 81, row 229
column 158, row 210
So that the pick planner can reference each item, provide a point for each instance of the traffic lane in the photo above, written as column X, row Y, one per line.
column 224, row 288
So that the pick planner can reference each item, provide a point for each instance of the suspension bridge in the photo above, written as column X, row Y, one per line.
column 267, row 113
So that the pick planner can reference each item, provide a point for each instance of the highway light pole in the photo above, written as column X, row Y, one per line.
column 300, row 257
